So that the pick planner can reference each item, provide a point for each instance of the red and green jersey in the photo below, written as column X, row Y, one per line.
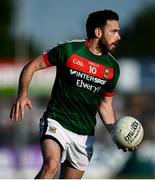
column 82, row 79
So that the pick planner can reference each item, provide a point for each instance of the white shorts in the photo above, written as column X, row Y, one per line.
column 77, row 149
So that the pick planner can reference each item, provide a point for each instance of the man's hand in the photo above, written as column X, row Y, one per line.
column 18, row 108
column 125, row 149
column 110, row 128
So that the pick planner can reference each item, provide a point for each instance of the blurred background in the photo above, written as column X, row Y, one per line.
column 29, row 27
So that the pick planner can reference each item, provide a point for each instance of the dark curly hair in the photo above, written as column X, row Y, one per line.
column 98, row 19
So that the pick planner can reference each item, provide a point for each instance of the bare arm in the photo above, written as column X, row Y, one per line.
column 24, row 81
column 106, row 112
column 107, row 115
column 27, row 74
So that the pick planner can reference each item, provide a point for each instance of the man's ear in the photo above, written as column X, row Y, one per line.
column 98, row 32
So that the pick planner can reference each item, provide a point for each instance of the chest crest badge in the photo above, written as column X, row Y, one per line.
column 52, row 129
column 106, row 73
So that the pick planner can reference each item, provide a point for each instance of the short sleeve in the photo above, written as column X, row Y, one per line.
column 110, row 85
column 52, row 57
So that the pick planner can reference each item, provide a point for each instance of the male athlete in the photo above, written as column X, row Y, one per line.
column 85, row 80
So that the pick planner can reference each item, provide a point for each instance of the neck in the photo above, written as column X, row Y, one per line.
column 93, row 47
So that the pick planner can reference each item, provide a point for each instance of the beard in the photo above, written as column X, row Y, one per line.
column 103, row 47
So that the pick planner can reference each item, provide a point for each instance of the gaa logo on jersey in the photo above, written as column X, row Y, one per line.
column 52, row 129
column 106, row 73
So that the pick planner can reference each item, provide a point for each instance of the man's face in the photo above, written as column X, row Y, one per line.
column 110, row 36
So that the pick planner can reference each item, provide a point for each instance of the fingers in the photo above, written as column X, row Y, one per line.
column 22, row 111
column 18, row 108
column 16, row 111
column 22, row 107
column 125, row 149
column 29, row 104
column 14, row 114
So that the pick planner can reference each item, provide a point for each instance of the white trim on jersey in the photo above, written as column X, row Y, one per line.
column 113, row 57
